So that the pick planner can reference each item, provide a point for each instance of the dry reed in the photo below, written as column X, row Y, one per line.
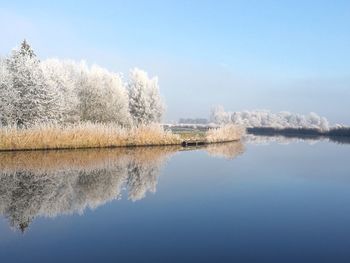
column 225, row 133
column 93, row 135
column 83, row 135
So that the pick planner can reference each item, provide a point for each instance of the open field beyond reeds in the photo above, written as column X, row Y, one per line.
column 91, row 135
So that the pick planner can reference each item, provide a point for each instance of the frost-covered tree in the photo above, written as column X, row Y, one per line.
column 219, row 116
column 103, row 97
column 157, row 106
column 63, row 76
column 8, row 96
column 138, row 98
column 145, row 103
column 37, row 102
column 26, row 50
column 265, row 118
column 34, row 92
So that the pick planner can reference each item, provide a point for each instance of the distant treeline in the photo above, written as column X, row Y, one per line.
column 266, row 118
column 193, row 121
column 338, row 134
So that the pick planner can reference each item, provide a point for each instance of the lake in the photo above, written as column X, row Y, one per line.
column 262, row 200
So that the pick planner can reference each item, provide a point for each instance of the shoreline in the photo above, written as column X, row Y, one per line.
column 180, row 145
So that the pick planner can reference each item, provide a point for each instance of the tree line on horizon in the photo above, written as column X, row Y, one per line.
column 266, row 118
column 34, row 92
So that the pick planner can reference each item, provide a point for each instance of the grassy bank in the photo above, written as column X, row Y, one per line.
column 90, row 135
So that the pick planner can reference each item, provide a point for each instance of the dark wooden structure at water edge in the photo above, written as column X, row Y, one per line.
column 193, row 143
column 201, row 142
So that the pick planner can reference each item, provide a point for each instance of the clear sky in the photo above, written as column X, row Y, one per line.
column 278, row 55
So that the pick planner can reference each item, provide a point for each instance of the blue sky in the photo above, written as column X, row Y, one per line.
column 278, row 55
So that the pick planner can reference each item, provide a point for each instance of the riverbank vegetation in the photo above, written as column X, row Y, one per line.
column 84, row 135
column 98, row 135
column 33, row 92
column 59, row 104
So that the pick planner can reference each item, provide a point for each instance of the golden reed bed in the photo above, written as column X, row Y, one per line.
column 91, row 135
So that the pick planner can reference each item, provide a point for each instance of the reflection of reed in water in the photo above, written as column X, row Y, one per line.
column 52, row 183
column 78, row 159
column 228, row 150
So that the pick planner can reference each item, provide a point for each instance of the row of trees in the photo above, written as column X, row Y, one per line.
column 265, row 118
column 65, row 91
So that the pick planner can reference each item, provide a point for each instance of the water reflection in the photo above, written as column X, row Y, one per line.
column 228, row 150
column 53, row 183
column 266, row 139
column 340, row 139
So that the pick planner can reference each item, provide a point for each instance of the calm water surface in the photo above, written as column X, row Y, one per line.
column 286, row 201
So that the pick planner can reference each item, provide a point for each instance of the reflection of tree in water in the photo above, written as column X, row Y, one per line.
column 265, row 140
column 52, row 183
column 142, row 178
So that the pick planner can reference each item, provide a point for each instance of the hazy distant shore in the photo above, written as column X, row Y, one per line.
column 341, row 134
column 336, row 134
